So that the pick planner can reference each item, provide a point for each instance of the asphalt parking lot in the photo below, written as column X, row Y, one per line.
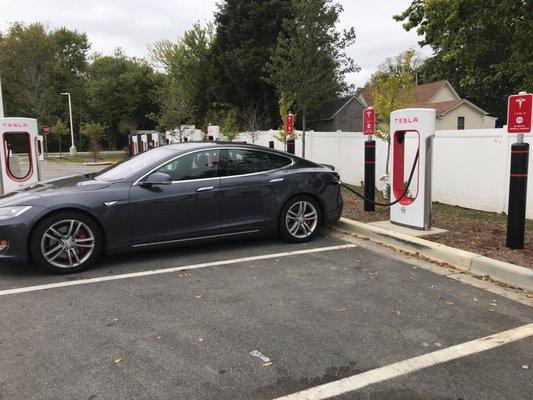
column 181, row 324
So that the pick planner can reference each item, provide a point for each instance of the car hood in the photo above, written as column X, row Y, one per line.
column 63, row 186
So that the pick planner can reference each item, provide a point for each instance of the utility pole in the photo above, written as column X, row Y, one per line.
column 72, row 147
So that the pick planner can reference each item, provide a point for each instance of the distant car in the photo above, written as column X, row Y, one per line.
column 176, row 194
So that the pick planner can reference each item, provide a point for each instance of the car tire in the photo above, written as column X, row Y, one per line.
column 66, row 242
column 300, row 219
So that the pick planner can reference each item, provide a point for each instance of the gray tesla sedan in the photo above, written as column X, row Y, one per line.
column 176, row 194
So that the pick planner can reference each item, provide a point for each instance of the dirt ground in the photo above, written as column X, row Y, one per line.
column 476, row 231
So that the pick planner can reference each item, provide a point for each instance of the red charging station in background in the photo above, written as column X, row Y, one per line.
column 369, row 121
column 369, row 128
column 519, row 110
column 289, row 130
column 289, row 124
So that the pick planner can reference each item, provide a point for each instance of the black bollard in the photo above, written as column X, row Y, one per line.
column 516, row 214
column 370, row 175
column 290, row 146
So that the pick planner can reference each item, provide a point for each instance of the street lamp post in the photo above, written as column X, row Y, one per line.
column 72, row 147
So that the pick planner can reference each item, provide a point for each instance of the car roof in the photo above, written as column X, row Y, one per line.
column 188, row 146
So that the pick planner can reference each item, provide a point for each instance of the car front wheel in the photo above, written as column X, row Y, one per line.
column 66, row 242
column 300, row 219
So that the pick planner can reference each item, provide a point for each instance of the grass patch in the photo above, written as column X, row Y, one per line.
column 456, row 211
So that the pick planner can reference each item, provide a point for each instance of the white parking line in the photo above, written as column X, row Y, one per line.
column 359, row 381
column 169, row 270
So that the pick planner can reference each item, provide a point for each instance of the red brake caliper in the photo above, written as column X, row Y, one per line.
column 82, row 234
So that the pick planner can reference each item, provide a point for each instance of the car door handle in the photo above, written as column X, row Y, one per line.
column 276, row 180
column 205, row 189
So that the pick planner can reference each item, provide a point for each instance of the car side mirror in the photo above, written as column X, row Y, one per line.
column 157, row 179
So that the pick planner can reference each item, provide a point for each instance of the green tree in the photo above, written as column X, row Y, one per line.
column 246, row 35
column 230, row 125
column 37, row 65
column 310, row 61
column 285, row 104
column 26, row 63
column 174, row 105
column 484, row 48
column 120, row 88
column 94, row 133
column 185, row 63
column 391, row 89
column 60, row 129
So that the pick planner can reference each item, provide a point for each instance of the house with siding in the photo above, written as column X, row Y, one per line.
column 340, row 114
column 453, row 112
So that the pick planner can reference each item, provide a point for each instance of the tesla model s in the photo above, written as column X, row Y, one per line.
column 176, row 194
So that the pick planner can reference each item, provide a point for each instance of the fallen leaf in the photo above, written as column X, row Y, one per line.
column 525, row 366
column 198, row 296
column 397, row 312
column 342, row 309
column 254, row 278
column 118, row 360
column 432, row 286
column 448, row 302
column 267, row 364
column 493, row 304
column 529, row 295
column 200, row 339
column 158, row 337
column 476, row 299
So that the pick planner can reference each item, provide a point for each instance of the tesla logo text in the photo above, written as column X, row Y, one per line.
column 520, row 100
column 406, row 120
column 15, row 125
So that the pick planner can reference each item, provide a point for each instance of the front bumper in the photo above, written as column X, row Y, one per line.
column 16, row 231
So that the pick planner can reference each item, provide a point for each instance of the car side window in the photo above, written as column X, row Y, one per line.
column 199, row 165
column 241, row 161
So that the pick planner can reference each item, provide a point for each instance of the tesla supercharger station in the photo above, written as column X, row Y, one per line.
column 155, row 139
column 40, row 147
column 412, row 129
column 213, row 131
column 134, row 144
column 19, row 159
column 144, row 143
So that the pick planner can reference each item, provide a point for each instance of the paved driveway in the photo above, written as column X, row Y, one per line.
column 181, row 324
column 52, row 170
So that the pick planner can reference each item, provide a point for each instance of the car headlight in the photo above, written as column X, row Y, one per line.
column 12, row 211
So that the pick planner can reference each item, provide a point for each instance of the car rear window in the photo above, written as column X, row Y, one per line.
column 243, row 161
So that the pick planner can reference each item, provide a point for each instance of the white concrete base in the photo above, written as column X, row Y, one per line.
column 407, row 231
column 73, row 151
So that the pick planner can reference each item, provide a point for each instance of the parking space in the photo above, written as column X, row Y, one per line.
column 181, row 323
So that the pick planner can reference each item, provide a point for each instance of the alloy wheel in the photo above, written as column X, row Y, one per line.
column 301, row 219
column 67, row 243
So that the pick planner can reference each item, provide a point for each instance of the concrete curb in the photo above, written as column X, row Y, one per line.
column 473, row 263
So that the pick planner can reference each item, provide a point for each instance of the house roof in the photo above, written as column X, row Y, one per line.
column 423, row 94
column 420, row 93
column 444, row 107
column 332, row 107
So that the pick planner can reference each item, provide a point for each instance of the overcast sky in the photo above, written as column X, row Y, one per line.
column 133, row 24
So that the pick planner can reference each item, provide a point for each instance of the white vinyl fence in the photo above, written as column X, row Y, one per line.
column 470, row 167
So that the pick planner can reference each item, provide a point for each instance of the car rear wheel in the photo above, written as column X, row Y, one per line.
column 300, row 219
column 66, row 242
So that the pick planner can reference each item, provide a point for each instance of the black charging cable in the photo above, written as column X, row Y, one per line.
column 395, row 201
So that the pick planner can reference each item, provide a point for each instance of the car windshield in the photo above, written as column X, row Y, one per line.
column 128, row 166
